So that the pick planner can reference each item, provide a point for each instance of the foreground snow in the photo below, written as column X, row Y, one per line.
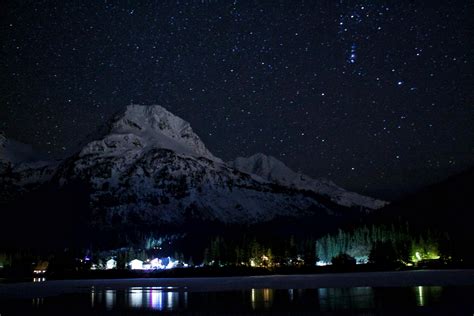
column 341, row 280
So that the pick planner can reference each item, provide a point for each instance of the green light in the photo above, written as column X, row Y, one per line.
column 421, row 255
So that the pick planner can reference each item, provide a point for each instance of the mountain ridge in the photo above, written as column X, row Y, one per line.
column 150, row 167
column 271, row 169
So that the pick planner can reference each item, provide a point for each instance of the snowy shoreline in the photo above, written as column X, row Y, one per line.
column 364, row 279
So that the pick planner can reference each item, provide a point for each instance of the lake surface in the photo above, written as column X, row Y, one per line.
column 152, row 300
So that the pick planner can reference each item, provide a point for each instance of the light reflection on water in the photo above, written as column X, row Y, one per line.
column 149, row 298
column 110, row 298
column 426, row 294
column 172, row 299
column 346, row 298
column 261, row 298
column 37, row 301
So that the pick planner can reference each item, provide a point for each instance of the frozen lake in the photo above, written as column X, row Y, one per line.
column 408, row 292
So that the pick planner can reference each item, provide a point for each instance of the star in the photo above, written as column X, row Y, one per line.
column 352, row 73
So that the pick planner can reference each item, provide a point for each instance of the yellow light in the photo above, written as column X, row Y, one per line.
column 252, row 298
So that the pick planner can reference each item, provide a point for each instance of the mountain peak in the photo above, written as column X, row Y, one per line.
column 14, row 152
column 150, row 126
column 155, row 117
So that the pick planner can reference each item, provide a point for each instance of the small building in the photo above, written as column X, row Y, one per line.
column 136, row 264
column 41, row 267
column 111, row 264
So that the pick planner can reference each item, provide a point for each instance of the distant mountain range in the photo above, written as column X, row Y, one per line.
column 149, row 167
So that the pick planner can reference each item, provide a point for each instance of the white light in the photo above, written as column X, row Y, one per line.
column 156, row 300
column 362, row 260
column 156, row 264
column 136, row 264
column 110, row 297
column 171, row 300
column 171, row 264
column 136, row 298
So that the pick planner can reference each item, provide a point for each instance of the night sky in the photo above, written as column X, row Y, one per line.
column 377, row 96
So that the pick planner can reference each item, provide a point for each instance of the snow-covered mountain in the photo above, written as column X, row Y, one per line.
column 149, row 167
column 271, row 169
column 21, row 168
column 152, row 167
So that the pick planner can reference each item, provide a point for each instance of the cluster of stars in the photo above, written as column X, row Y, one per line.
column 353, row 55
column 354, row 91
